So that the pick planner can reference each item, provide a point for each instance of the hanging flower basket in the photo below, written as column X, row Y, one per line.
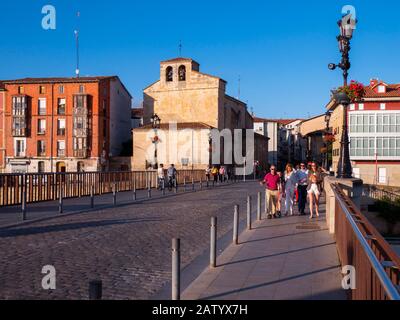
column 353, row 92
column 329, row 137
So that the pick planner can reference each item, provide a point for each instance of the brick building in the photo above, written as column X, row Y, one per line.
column 374, row 131
column 2, row 126
column 64, row 124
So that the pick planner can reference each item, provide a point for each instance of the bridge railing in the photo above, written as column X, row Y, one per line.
column 362, row 246
column 379, row 193
column 47, row 186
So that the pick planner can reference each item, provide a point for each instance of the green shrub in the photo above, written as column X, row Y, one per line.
column 389, row 211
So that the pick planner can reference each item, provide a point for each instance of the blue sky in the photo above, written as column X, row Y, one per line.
column 280, row 49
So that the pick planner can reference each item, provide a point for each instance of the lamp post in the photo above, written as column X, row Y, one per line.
column 346, row 25
column 327, row 132
column 155, row 122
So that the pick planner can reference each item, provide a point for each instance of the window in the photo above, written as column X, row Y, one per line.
column 41, row 167
column 61, row 148
column 169, row 74
column 362, row 147
column 21, row 90
column 41, row 148
column 388, row 122
column 61, row 89
column 362, row 123
column 182, row 73
column 42, row 90
column 388, row 146
column 42, row 107
column 383, row 106
column 81, row 88
column 19, row 148
column 61, row 106
column 381, row 89
column 352, row 107
column 361, row 106
column 382, row 175
column 41, row 126
column 61, row 127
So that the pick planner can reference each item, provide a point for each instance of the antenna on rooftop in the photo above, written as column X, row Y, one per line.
column 180, row 48
column 76, row 32
column 239, row 80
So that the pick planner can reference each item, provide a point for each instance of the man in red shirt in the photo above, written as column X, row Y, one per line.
column 272, row 182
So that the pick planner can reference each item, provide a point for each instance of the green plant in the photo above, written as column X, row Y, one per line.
column 389, row 211
column 355, row 91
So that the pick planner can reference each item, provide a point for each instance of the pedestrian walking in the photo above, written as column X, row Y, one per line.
column 208, row 173
column 302, row 177
column 214, row 172
column 290, row 186
column 314, row 188
column 161, row 177
column 222, row 174
column 272, row 182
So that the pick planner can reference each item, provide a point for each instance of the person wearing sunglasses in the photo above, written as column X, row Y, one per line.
column 272, row 181
column 302, row 177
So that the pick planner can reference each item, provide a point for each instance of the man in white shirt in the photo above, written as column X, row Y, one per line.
column 302, row 178
column 161, row 177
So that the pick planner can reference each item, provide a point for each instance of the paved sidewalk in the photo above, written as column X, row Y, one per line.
column 291, row 258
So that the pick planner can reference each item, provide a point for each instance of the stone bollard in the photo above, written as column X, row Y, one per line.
column 95, row 290
column 213, row 243
column 248, row 212
column 60, row 201
column 92, row 197
column 23, row 205
column 193, row 188
column 236, row 225
column 184, row 184
column 114, row 190
column 201, row 184
column 259, row 206
column 176, row 269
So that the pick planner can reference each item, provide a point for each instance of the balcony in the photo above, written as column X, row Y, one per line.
column 80, row 153
column 20, row 132
column 61, row 153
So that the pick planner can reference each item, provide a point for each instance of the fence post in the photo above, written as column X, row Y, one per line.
column 92, row 197
column 23, row 206
column 176, row 261
column 114, row 194
column 60, row 200
column 248, row 212
column 193, row 188
column 213, row 243
column 95, row 290
column 259, row 206
column 184, row 184
column 149, row 192
column 236, row 225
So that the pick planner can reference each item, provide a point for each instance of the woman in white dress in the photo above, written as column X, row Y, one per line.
column 290, row 187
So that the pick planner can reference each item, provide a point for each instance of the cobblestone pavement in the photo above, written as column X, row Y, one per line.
column 128, row 248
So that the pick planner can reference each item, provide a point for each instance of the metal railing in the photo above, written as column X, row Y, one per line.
column 379, row 193
column 362, row 246
column 39, row 187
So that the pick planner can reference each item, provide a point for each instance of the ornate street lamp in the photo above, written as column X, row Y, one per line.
column 155, row 123
column 328, row 115
column 346, row 25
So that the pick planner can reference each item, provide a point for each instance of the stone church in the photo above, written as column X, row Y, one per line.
column 189, row 104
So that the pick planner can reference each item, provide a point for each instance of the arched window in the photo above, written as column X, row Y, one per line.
column 169, row 74
column 182, row 73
